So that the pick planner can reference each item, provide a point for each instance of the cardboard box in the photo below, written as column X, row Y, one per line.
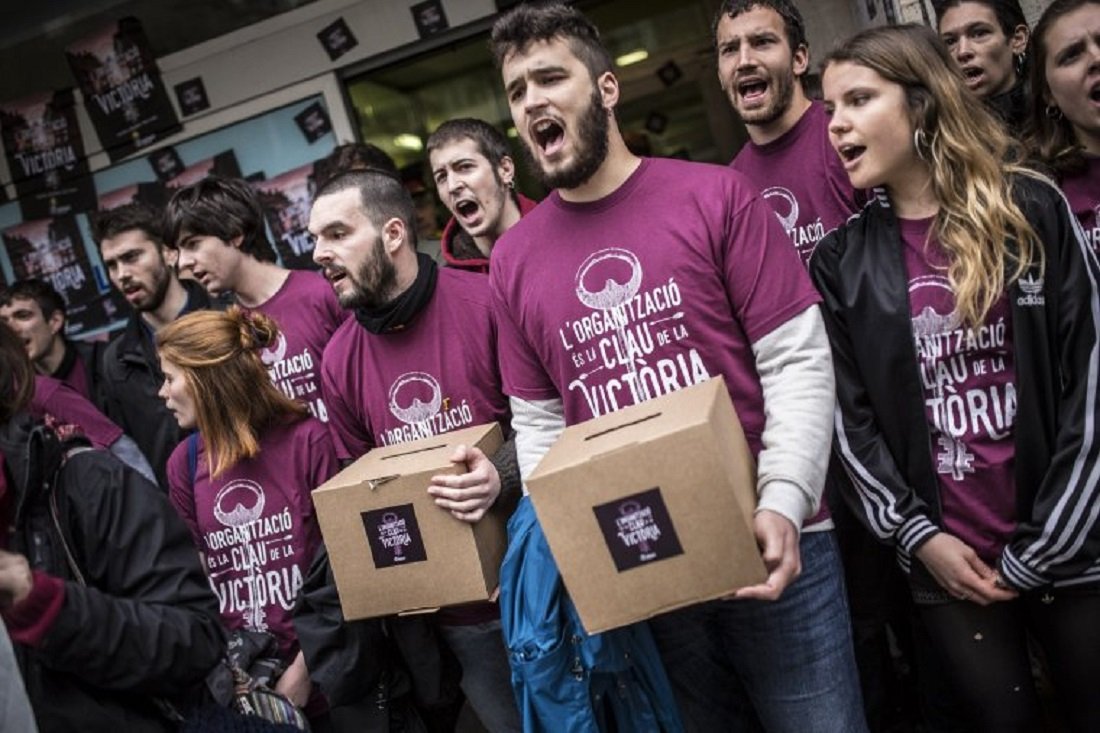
column 392, row 549
column 650, row 508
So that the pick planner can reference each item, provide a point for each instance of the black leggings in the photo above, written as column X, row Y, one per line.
column 985, row 656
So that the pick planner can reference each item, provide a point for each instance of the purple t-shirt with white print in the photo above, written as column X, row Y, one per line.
column 255, row 523
column 801, row 176
column 307, row 313
column 439, row 374
column 1083, row 193
column 656, row 287
column 968, row 377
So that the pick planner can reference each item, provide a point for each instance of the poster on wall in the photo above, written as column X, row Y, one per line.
column 45, row 154
column 222, row 164
column 149, row 193
column 123, row 91
column 286, row 200
column 53, row 250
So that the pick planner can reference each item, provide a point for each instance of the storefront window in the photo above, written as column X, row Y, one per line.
column 670, row 101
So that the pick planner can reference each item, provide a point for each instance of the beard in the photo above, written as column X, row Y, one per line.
column 159, row 291
column 593, row 127
column 782, row 88
column 373, row 284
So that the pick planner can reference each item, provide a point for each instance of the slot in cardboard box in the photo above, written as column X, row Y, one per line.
column 649, row 508
column 392, row 549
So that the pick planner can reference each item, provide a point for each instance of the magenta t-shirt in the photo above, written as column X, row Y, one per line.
column 439, row 374
column 255, row 524
column 54, row 397
column 307, row 312
column 1083, row 192
column 661, row 285
column 969, row 383
column 800, row 175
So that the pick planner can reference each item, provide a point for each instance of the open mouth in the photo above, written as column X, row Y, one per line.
column 973, row 74
column 549, row 136
column 466, row 209
column 1094, row 93
column 850, row 153
column 334, row 274
column 751, row 90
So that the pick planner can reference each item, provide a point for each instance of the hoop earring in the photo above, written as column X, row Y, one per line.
column 1019, row 62
column 1054, row 112
column 920, row 142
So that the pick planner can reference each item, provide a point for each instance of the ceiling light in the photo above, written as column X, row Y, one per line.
column 408, row 141
column 632, row 57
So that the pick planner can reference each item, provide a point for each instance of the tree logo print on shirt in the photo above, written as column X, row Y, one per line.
column 416, row 399
column 237, row 506
column 931, row 323
column 785, row 205
column 613, row 293
column 245, row 501
column 782, row 200
column 626, row 350
column 274, row 354
column 415, row 410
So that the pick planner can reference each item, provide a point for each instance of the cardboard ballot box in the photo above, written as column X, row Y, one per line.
column 392, row 549
column 650, row 508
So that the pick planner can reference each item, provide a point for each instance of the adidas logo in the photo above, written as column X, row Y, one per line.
column 1032, row 288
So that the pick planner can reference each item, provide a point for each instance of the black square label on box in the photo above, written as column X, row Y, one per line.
column 337, row 39
column 191, row 95
column 429, row 18
column 638, row 529
column 394, row 536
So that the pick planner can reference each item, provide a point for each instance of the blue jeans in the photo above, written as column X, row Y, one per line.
column 781, row 666
column 486, row 676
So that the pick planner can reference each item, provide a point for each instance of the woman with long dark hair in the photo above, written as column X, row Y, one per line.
column 1065, row 105
column 963, row 311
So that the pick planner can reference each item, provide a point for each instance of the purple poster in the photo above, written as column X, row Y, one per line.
column 45, row 155
column 122, row 88
column 53, row 250
column 286, row 200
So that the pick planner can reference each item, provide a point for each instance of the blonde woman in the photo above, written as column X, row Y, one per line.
column 963, row 313
column 242, row 484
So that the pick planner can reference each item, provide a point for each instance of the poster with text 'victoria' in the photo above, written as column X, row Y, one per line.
column 122, row 88
column 53, row 250
column 45, row 153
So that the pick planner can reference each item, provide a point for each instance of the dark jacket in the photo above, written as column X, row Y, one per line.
column 378, row 675
column 458, row 248
column 882, row 433
column 91, row 353
column 144, row 622
column 1012, row 107
column 131, row 380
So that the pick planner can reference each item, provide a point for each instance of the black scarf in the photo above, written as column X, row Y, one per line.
column 402, row 310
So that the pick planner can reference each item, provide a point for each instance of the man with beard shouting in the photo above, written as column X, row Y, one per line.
column 702, row 239
column 417, row 359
